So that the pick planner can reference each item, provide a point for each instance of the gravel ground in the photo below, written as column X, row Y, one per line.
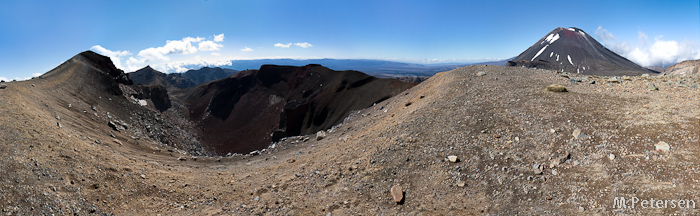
column 514, row 142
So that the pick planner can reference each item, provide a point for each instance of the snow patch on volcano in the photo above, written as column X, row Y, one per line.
column 569, row 57
column 540, row 52
column 551, row 38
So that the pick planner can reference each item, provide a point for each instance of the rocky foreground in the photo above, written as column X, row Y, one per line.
column 475, row 140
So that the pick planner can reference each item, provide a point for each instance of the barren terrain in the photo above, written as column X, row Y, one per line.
column 58, row 155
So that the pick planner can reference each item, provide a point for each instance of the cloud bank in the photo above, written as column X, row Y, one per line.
column 209, row 46
column 159, row 57
column 219, row 38
column 302, row 45
column 114, row 55
column 280, row 45
column 654, row 53
column 181, row 55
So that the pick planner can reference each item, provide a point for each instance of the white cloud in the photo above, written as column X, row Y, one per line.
column 610, row 41
column 303, row 45
column 4, row 79
column 183, row 46
column 133, row 64
column 642, row 37
column 280, row 45
column 152, row 54
column 660, row 52
column 185, row 65
column 219, row 37
column 107, row 52
column 114, row 55
column 209, row 46
column 162, row 55
column 246, row 49
column 216, row 54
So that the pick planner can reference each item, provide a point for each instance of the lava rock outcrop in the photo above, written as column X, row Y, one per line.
column 251, row 109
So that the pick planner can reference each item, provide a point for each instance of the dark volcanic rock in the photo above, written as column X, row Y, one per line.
column 572, row 50
column 150, row 76
column 251, row 109
column 156, row 93
column 412, row 79
column 207, row 74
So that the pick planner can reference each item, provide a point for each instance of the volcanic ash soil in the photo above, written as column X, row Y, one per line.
column 458, row 143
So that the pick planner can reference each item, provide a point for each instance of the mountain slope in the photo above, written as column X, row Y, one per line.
column 515, row 144
column 207, row 74
column 685, row 67
column 574, row 51
column 249, row 110
column 150, row 76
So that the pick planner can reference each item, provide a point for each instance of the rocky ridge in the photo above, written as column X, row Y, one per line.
column 687, row 67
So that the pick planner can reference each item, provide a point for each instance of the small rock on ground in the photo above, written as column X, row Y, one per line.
column 397, row 193
column 577, row 133
column 556, row 88
column 652, row 87
column 662, row 147
column 320, row 135
column 452, row 158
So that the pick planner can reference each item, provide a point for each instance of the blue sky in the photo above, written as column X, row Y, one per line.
column 36, row 36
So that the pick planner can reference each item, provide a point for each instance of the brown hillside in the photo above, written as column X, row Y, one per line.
column 687, row 67
column 500, row 124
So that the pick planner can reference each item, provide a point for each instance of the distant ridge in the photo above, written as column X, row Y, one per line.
column 572, row 50
column 150, row 76
column 374, row 67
